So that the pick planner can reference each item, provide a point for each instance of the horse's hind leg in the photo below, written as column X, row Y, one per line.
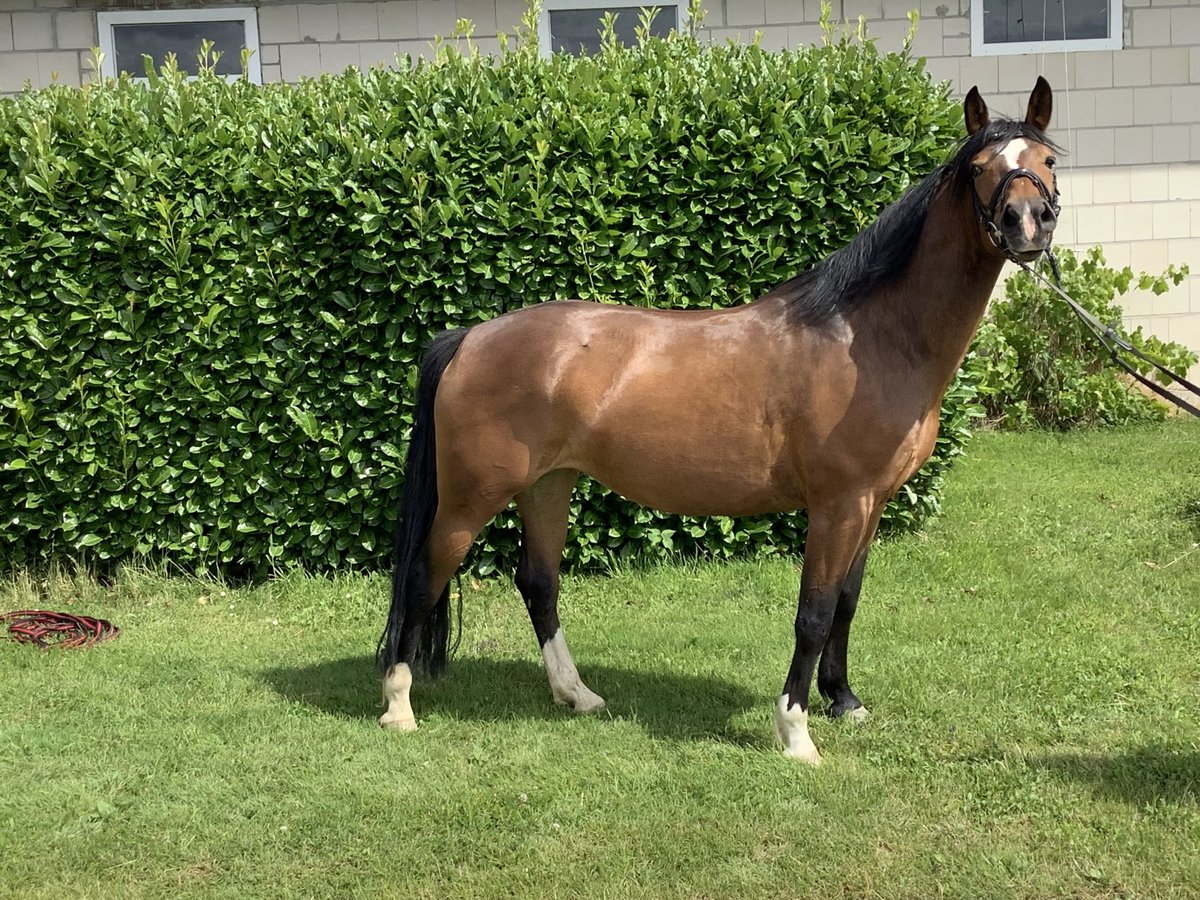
column 450, row 537
column 832, row 678
column 545, row 508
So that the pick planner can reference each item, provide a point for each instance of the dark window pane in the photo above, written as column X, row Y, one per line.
column 1009, row 21
column 183, row 39
column 578, row 30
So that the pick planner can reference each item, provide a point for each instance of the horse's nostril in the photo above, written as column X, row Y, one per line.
column 1048, row 217
column 1011, row 218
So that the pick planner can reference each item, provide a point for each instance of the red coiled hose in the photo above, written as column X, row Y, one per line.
column 55, row 629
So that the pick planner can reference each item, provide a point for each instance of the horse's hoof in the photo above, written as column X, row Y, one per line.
column 397, row 723
column 858, row 714
column 849, row 714
column 580, row 698
column 587, row 702
column 808, row 755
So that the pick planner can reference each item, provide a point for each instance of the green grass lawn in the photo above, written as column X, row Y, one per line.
column 1032, row 663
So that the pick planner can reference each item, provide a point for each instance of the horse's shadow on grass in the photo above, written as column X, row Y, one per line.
column 1141, row 776
column 667, row 705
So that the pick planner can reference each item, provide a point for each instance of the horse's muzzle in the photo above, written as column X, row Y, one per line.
column 1027, row 225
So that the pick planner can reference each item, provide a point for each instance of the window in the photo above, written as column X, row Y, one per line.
column 126, row 36
column 1044, row 26
column 573, row 26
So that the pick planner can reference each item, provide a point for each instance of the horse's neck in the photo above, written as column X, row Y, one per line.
column 930, row 315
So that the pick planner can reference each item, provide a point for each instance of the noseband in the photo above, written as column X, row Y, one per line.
column 987, row 216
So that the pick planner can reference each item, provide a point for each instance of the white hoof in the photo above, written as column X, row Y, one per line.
column 586, row 701
column 577, row 696
column 807, row 755
column 858, row 714
column 394, row 722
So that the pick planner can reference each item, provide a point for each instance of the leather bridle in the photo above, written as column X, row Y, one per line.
column 987, row 215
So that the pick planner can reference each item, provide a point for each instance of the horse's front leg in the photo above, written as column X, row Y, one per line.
column 833, row 680
column 838, row 535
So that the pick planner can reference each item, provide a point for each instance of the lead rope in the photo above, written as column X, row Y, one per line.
column 1113, row 342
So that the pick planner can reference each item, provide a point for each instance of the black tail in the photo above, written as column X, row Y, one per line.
column 418, row 505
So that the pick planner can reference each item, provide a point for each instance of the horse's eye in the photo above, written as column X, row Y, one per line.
column 976, row 171
column 1051, row 162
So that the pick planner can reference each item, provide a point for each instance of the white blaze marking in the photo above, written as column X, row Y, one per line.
column 1012, row 153
column 397, row 684
column 565, row 683
column 791, row 727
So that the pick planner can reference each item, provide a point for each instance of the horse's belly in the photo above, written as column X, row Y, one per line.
column 697, row 484
column 706, row 450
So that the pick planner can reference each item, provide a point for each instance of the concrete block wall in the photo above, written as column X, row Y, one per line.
column 1145, row 217
column 42, row 41
column 306, row 39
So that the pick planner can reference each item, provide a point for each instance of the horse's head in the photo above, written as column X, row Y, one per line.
column 1016, row 193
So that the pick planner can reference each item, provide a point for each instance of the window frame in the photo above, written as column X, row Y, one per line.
column 247, row 15
column 548, row 6
column 1114, row 41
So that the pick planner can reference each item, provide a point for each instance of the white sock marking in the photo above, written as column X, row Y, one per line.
column 791, row 727
column 565, row 684
column 397, row 684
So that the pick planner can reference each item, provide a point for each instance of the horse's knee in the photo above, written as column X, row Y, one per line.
column 814, row 621
column 536, row 584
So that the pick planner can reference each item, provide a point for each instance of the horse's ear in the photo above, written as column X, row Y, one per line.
column 1040, row 105
column 975, row 111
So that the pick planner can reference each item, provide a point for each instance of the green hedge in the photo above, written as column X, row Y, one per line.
column 214, row 294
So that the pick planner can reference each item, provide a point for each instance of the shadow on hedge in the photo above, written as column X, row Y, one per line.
column 667, row 705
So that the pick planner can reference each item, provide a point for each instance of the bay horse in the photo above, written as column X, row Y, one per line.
column 823, row 394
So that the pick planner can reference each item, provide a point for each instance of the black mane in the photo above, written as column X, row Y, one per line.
column 882, row 251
